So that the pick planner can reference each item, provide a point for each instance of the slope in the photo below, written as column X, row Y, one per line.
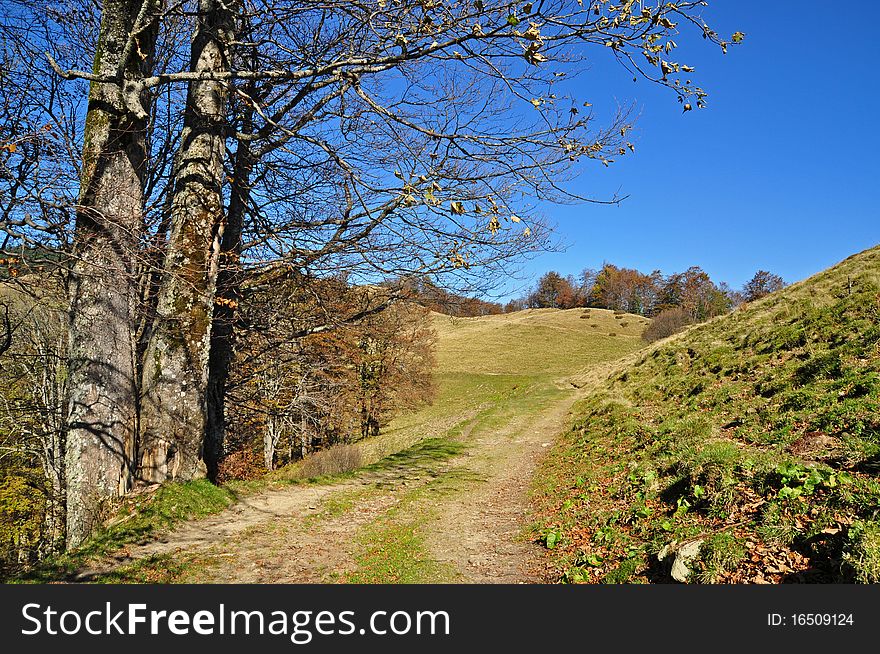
column 743, row 450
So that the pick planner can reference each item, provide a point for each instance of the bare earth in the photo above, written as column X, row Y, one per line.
column 309, row 533
column 480, row 532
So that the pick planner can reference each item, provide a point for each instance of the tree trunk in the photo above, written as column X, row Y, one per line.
column 270, row 438
column 303, row 436
column 53, row 392
column 102, row 403
column 228, row 296
column 174, row 392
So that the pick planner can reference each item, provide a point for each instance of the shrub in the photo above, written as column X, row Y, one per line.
column 623, row 573
column 243, row 465
column 332, row 461
column 666, row 323
column 22, row 509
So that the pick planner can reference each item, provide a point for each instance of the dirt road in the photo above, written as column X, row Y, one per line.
column 461, row 505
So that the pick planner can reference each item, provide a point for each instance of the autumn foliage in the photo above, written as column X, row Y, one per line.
column 289, row 397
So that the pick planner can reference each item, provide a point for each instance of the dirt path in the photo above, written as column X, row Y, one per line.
column 303, row 533
column 480, row 531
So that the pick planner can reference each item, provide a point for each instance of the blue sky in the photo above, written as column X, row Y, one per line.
column 780, row 172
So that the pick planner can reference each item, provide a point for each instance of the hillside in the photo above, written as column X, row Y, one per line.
column 743, row 450
column 534, row 341
column 525, row 357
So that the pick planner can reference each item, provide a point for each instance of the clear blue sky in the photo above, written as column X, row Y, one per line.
column 780, row 172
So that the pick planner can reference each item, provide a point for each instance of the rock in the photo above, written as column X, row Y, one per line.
column 682, row 556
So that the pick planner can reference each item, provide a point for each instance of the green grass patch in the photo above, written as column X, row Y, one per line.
column 394, row 553
column 429, row 451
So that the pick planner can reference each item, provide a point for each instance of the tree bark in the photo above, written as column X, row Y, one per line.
column 174, row 391
column 303, row 436
column 102, row 403
column 228, row 297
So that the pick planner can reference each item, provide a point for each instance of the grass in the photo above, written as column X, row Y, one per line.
column 491, row 370
column 757, row 433
column 721, row 553
column 156, row 569
column 394, row 553
column 863, row 554
column 393, row 548
column 424, row 454
column 534, row 342
column 490, row 359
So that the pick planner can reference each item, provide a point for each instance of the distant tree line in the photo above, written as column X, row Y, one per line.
column 691, row 293
column 673, row 300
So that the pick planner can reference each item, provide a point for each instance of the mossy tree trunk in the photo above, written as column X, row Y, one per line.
column 174, row 392
column 102, row 287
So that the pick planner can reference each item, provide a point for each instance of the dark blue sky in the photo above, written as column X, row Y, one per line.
column 780, row 172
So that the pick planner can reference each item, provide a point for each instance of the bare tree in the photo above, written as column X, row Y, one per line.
column 374, row 139
column 174, row 406
column 33, row 375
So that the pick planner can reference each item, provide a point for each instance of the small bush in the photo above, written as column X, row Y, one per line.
column 666, row 323
column 777, row 526
column 710, row 470
column 624, row 323
column 22, row 509
column 242, row 465
column 623, row 573
column 332, row 461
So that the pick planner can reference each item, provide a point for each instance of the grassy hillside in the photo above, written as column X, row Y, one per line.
column 747, row 448
column 514, row 360
column 535, row 341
